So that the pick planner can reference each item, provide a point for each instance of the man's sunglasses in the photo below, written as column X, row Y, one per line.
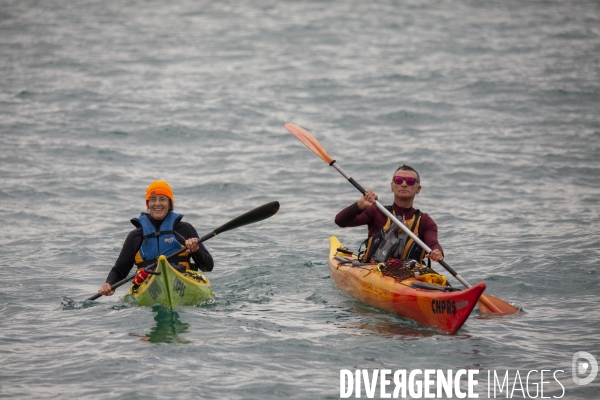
column 399, row 179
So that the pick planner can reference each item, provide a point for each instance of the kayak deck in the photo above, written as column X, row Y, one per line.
column 445, row 310
column 172, row 287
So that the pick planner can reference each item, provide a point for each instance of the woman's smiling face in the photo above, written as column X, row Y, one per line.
column 158, row 206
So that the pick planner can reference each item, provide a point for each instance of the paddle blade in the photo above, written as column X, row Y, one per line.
column 70, row 304
column 489, row 304
column 309, row 141
column 258, row 214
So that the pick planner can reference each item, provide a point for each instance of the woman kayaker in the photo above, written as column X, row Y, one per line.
column 381, row 244
column 159, row 231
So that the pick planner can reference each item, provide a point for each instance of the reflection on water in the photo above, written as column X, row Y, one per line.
column 389, row 329
column 382, row 324
column 168, row 326
column 167, row 329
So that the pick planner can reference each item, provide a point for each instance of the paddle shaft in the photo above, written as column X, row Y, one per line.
column 391, row 216
column 258, row 214
column 130, row 277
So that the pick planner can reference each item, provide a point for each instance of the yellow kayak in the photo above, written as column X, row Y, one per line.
column 172, row 287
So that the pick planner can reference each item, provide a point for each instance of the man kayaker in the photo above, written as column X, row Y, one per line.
column 381, row 244
column 160, row 231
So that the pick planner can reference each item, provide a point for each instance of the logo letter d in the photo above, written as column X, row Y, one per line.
column 592, row 362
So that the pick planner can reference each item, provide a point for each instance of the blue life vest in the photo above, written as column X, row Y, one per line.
column 156, row 243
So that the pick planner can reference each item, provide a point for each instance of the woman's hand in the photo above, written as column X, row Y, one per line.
column 105, row 290
column 192, row 245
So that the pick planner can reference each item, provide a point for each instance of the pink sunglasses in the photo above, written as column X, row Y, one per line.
column 399, row 179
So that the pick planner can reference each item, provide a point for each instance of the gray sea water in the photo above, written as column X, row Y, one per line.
column 495, row 103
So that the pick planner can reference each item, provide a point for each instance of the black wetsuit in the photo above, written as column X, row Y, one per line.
column 182, row 231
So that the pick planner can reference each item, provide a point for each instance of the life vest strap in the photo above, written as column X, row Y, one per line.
column 405, row 249
column 157, row 234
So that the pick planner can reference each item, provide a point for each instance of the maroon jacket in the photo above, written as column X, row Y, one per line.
column 375, row 219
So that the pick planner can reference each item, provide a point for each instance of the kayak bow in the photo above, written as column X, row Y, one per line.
column 427, row 304
column 172, row 287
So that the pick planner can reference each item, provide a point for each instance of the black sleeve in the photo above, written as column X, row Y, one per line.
column 202, row 257
column 126, row 258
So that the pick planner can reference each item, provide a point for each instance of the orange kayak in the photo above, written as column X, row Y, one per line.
column 427, row 304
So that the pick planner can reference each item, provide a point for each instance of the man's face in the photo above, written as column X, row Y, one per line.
column 403, row 190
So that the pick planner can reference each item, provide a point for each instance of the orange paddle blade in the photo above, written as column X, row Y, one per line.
column 309, row 141
column 489, row 304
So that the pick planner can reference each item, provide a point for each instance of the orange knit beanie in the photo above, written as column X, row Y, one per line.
column 159, row 188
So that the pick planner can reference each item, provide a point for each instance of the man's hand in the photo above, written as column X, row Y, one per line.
column 367, row 200
column 436, row 255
